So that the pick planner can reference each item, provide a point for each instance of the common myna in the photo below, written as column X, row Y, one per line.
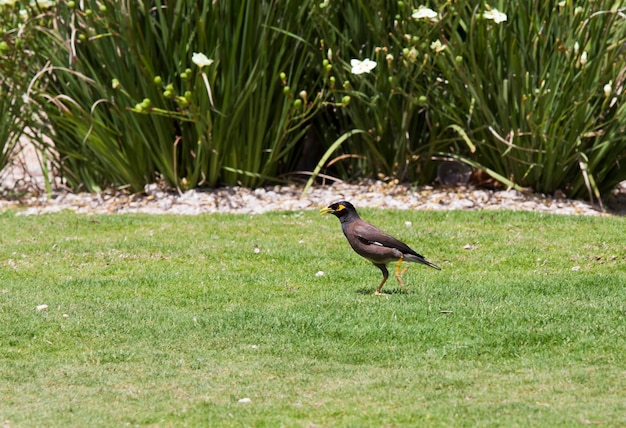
column 374, row 244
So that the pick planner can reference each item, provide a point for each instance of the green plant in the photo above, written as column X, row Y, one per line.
column 387, row 101
column 532, row 94
column 131, row 106
column 540, row 93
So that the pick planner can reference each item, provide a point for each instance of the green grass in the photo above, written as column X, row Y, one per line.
column 169, row 321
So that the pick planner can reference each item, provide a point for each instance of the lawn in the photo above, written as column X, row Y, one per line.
column 223, row 320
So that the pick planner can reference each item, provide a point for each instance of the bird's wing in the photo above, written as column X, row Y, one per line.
column 369, row 234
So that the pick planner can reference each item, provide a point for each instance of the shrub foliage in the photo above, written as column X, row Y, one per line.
column 211, row 93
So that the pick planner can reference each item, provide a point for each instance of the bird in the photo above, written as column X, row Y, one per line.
column 373, row 244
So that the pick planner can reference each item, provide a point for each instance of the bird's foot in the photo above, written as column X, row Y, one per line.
column 380, row 293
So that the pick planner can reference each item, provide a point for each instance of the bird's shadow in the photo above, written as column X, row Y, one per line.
column 370, row 291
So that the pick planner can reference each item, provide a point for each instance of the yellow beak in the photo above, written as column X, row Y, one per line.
column 327, row 210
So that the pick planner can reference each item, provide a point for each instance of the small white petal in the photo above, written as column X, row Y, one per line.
column 495, row 15
column 424, row 12
column 408, row 223
column 360, row 67
column 42, row 307
column 319, row 273
column 201, row 59
column 437, row 46
column 245, row 400
column 576, row 268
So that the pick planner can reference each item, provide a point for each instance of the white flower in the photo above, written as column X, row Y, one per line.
column 437, row 46
column 43, row 4
column 201, row 59
column 495, row 15
column 576, row 48
column 607, row 90
column 319, row 273
column 360, row 67
column 423, row 12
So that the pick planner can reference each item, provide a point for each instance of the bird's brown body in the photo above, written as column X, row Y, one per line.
column 373, row 244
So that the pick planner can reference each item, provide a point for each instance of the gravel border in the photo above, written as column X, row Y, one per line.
column 376, row 194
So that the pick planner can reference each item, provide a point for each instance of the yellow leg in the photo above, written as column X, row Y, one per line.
column 399, row 274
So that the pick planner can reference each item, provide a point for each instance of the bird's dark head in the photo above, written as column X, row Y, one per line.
column 343, row 210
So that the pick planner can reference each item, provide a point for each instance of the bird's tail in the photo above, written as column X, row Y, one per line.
column 420, row 259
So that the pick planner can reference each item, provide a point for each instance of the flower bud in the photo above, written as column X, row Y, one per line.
column 583, row 58
column 283, row 76
column 345, row 100
column 115, row 83
column 297, row 103
column 182, row 101
column 158, row 80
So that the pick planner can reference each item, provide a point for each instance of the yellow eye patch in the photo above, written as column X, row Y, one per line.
column 341, row 207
